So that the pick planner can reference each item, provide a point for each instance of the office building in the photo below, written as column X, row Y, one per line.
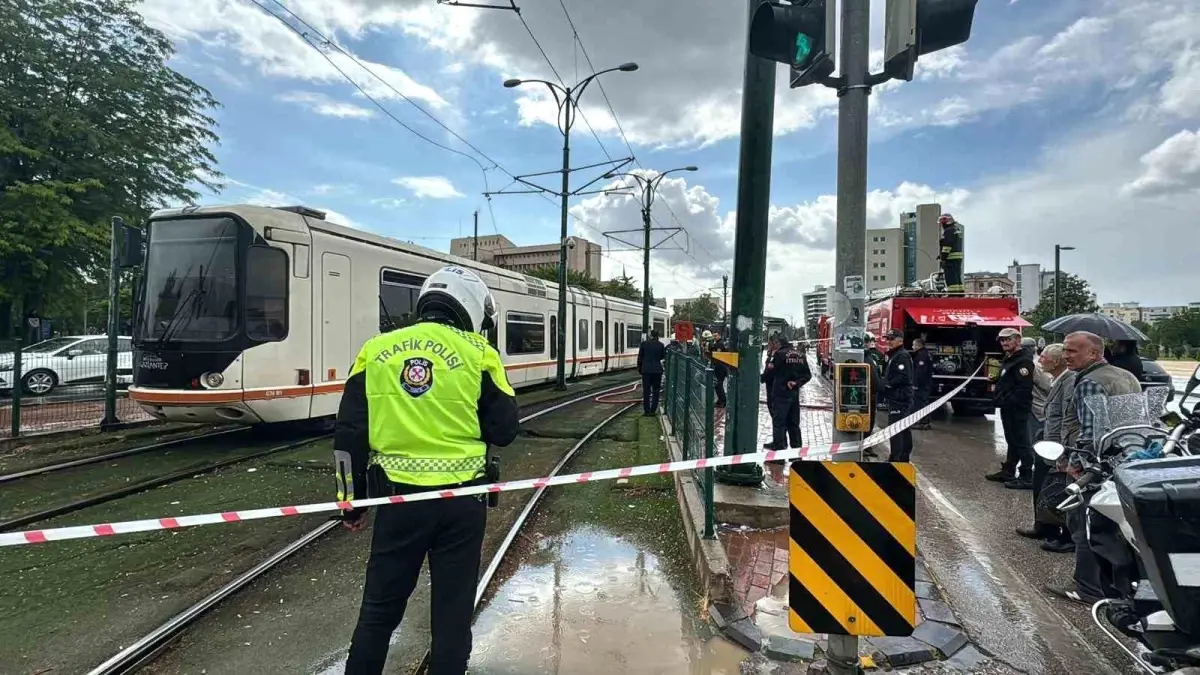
column 984, row 282
column 816, row 304
column 905, row 255
column 496, row 249
column 1028, row 283
column 1133, row 311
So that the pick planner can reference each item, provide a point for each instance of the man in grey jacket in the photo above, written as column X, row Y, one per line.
column 1041, row 390
column 1061, row 425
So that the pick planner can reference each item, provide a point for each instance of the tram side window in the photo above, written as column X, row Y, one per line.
column 633, row 336
column 660, row 325
column 397, row 299
column 599, row 335
column 553, row 337
column 617, row 337
column 525, row 333
column 583, row 335
column 267, row 294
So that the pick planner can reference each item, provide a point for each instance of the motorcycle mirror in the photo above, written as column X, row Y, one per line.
column 1191, row 385
column 1049, row 450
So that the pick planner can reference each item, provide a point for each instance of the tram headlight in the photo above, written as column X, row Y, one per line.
column 212, row 380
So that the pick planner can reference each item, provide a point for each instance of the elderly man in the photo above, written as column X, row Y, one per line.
column 1041, row 389
column 1094, row 376
column 1061, row 425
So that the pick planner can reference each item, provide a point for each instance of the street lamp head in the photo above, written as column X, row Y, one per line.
column 627, row 67
column 691, row 168
column 512, row 83
column 1066, row 248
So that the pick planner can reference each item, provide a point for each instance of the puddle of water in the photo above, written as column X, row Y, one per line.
column 588, row 602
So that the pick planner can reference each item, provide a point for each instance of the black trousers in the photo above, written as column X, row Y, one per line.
column 719, row 390
column 450, row 532
column 651, row 391
column 901, row 443
column 785, row 419
column 952, row 271
column 1020, row 458
column 920, row 400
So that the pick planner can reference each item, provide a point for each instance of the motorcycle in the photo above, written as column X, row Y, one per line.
column 1141, row 488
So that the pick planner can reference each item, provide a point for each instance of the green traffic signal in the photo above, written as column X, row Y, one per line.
column 804, row 50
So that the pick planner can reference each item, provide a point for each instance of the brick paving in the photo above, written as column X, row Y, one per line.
column 758, row 560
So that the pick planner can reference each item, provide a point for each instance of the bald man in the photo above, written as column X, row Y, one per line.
column 1085, row 355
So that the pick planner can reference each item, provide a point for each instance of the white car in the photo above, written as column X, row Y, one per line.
column 76, row 359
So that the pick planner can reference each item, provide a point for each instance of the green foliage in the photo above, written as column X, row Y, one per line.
column 1179, row 335
column 95, row 125
column 1075, row 298
column 617, row 287
column 702, row 310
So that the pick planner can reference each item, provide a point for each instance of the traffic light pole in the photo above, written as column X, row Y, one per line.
column 750, row 260
column 842, row 655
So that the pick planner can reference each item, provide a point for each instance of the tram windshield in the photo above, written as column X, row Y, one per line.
column 191, row 282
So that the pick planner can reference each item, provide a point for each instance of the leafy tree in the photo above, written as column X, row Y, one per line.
column 617, row 287
column 1075, row 298
column 702, row 310
column 1179, row 335
column 95, row 125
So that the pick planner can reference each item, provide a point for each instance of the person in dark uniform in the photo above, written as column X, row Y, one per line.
column 720, row 373
column 650, row 365
column 773, row 343
column 922, row 380
column 420, row 408
column 876, row 359
column 787, row 372
column 897, row 392
column 952, row 253
column 1013, row 395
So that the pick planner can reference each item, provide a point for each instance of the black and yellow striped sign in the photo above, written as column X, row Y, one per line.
column 853, row 548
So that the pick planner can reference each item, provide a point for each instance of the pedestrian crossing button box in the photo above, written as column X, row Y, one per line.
column 852, row 397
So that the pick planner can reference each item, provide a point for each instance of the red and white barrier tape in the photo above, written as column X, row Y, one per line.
column 815, row 452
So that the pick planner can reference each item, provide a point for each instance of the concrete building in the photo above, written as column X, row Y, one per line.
column 1028, row 283
column 902, row 256
column 1133, row 311
column 885, row 258
column 983, row 282
column 1122, row 311
column 816, row 303
column 496, row 249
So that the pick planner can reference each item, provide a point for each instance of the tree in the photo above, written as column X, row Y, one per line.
column 1179, row 334
column 702, row 310
column 1075, row 298
column 617, row 287
column 95, row 125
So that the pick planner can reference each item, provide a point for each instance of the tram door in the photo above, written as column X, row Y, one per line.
column 337, row 343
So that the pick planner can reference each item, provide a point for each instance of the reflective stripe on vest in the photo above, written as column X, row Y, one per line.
column 423, row 384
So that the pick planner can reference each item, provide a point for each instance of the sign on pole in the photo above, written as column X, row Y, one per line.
column 852, row 558
column 683, row 331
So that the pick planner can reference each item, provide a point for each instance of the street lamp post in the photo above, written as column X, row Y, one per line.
column 1058, row 249
column 649, row 188
column 567, row 99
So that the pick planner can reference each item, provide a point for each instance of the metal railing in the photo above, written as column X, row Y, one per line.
column 61, row 384
column 688, row 404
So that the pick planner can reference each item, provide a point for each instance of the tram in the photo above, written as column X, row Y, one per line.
column 253, row 314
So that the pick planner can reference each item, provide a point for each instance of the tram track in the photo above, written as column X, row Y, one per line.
column 146, row 649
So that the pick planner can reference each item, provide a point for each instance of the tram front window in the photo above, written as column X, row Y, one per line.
column 191, row 282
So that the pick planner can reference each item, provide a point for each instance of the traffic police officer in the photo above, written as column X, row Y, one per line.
column 420, row 408
column 784, row 376
column 1013, row 394
column 897, row 392
column 952, row 253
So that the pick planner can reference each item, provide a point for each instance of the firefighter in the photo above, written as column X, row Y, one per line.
column 420, row 408
column 787, row 372
column 897, row 391
column 952, row 253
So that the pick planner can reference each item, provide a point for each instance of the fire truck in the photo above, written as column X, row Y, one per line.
column 961, row 332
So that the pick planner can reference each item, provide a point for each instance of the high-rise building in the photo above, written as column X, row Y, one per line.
column 816, row 303
column 905, row 255
column 885, row 258
column 1027, row 283
column 496, row 249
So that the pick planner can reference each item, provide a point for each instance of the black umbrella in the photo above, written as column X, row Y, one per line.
column 1104, row 326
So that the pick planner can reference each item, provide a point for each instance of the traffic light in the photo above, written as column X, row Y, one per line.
column 800, row 34
column 916, row 27
column 852, row 397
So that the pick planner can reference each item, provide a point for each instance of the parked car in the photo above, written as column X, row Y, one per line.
column 76, row 359
column 1153, row 375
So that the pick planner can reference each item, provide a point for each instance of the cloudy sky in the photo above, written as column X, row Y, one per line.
column 1064, row 121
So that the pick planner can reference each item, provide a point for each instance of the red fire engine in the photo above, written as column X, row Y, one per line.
column 960, row 332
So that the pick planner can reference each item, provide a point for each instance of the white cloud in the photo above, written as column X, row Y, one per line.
column 324, row 105
column 1172, row 167
column 388, row 202
column 428, row 187
column 260, row 196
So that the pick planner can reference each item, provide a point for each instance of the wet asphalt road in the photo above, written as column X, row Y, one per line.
column 992, row 576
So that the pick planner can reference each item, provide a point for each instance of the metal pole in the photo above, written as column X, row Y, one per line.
column 842, row 655
column 646, row 261
column 724, row 305
column 1057, row 253
column 114, row 320
column 17, row 385
column 475, row 239
column 561, row 377
column 750, row 256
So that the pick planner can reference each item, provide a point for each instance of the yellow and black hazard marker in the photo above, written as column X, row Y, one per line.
column 853, row 548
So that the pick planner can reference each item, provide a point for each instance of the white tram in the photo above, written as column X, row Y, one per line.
column 253, row 314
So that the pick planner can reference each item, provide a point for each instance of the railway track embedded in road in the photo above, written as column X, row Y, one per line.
column 147, row 648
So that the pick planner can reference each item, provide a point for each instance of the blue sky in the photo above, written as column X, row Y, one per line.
column 1065, row 121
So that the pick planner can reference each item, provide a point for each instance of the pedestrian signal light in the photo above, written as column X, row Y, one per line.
column 852, row 397
column 799, row 34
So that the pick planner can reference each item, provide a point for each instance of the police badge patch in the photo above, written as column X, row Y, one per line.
column 416, row 377
column 1024, row 372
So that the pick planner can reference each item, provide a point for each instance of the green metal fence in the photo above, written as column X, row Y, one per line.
column 688, row 403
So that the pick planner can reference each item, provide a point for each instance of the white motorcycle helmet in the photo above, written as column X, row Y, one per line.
column 458, row 294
